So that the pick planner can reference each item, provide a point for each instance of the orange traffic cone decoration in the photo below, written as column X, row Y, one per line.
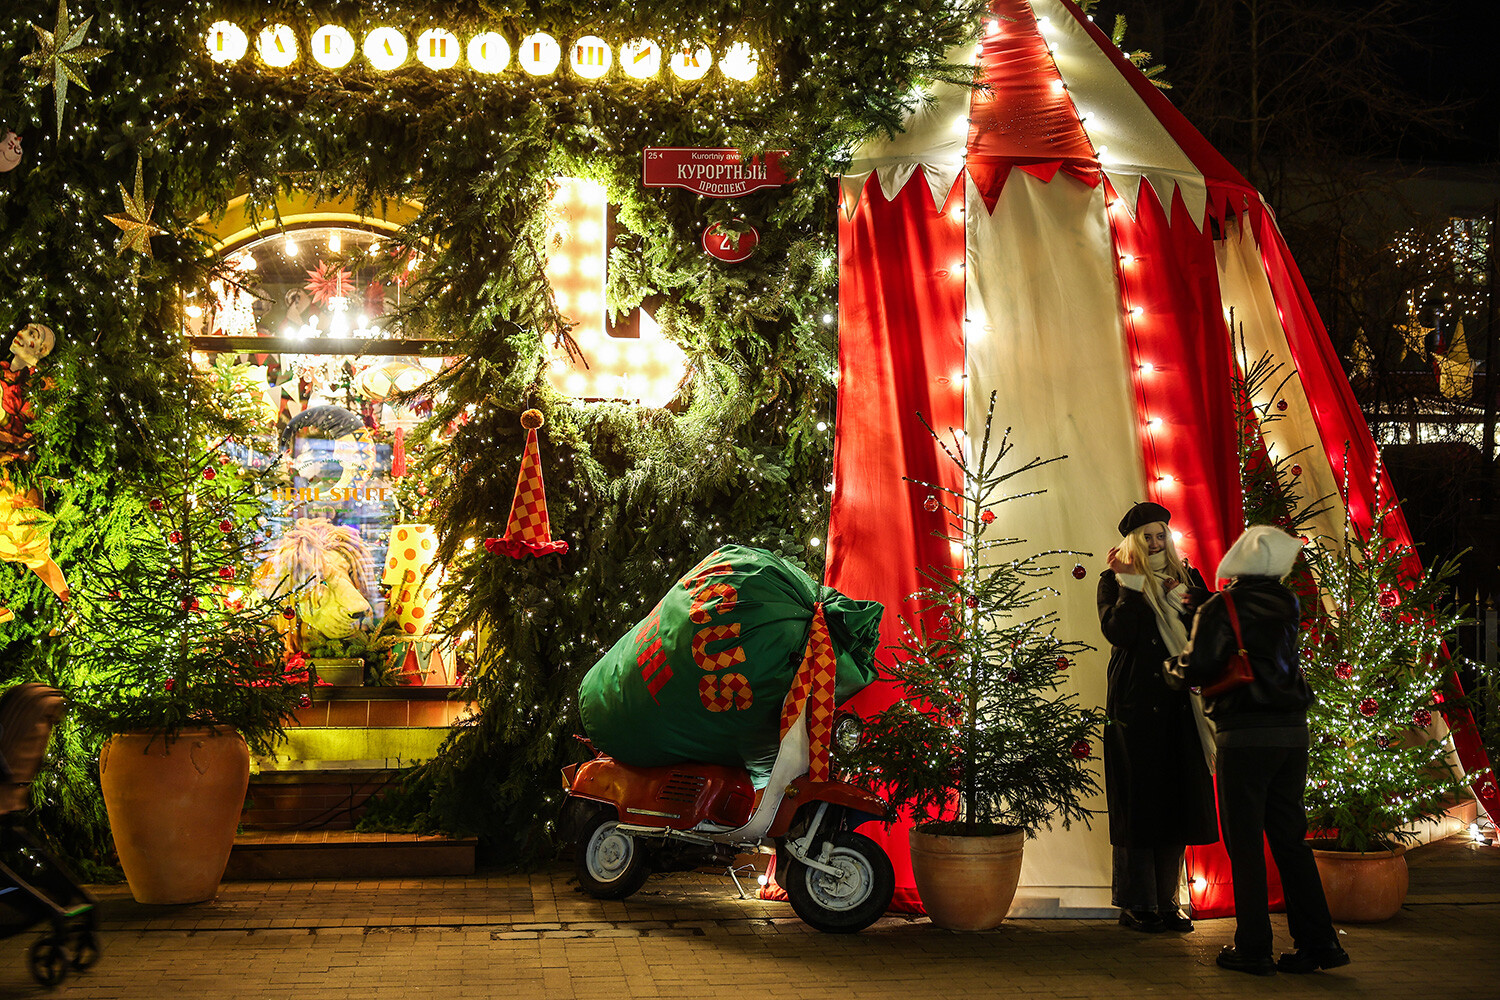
column 812, row 689
column 528, row 533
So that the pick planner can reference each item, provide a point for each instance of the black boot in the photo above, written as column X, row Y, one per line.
column 1142, row 920
column 1312, row 959
column 1235, row 962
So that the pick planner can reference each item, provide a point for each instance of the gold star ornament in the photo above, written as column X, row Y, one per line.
column 60, row 56
column 136, row 220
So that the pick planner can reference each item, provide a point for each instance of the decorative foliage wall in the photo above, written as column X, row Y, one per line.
column 122, row 114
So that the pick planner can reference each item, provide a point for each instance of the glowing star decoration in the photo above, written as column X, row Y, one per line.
column 488, row 52
column 332, row 47
column 60, row 55
column 590, row 57
column 226, row 42
column 135, row 222
column 438, row 48
column 386, row 49
column 740, row 62
column 640, row 58
column 690, row 63
column 327, row 286
column 277, row 45
column 539, row 54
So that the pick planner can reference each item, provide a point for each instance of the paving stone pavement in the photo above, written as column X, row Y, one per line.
column 689, row 936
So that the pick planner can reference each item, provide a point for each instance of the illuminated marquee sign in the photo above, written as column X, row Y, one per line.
column 537, row 54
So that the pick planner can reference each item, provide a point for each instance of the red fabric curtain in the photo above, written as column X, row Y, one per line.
column 901, row 352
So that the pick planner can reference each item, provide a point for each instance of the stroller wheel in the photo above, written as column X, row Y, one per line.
column 84, row 948
column 48, row 964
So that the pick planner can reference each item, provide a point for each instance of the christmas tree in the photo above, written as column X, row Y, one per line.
column 169, row 636
column 986, row 738
column 1374, row 653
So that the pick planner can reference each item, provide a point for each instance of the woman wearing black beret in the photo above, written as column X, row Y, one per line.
column 1156, row 777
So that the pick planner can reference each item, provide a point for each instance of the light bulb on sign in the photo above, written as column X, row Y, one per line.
column 691, row 62
column 386, row 49
column 332, row 47
column 437, row 48
column 277, row 45
column 740, row 62
column 590, row 57
column 640, row 58
column 226, row 42
column 539, row 54
column 488, row 52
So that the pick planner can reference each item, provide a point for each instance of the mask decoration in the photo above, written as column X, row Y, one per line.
column 31, row 344
column 10, row 152
column 324, row 572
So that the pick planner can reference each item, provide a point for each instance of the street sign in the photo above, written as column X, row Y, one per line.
column 715, row 173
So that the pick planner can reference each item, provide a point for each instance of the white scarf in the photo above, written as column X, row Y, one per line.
column 1166, row 603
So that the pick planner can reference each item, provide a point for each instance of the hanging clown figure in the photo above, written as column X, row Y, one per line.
column 25, row 529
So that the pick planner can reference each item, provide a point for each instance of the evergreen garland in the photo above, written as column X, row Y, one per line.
column 639, row 493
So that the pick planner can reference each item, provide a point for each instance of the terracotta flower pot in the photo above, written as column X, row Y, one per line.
column 173, row 807
column 966, row 883
column 1363, row 887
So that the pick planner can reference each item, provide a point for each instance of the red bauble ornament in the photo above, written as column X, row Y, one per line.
column 190, row 605
column 1082, row 750
column 1062, row 663
column 1387, row 615
column 304, row 701
column 226, row 572
column 1079, row 572
column 945, row 623
column 224, row 459
column 1281, row 405
column 971, row 602
column 172, row 574
column 1296, row 470
column 175, row 537
column 988, row 517
column 210, row 473
column 1013, row 676
column 114, row 594
column 931, row 503
column 226, row 526
column 1343, row 671
column 156, row 504
column 1388, row 599
column 1368, row 707
column 288, row 614
column 1422, row 718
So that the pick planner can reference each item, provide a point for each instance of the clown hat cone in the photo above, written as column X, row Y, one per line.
column 528, row 533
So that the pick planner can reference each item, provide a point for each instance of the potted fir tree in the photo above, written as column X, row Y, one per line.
column 1374, row 654
column 181, row 671
column 986, row 744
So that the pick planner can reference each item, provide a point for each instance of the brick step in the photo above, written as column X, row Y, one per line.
column 278, row 856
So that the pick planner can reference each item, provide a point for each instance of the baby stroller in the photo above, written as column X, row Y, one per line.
column 47, row 892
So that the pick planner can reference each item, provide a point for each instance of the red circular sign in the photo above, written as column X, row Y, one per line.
column 730, row 247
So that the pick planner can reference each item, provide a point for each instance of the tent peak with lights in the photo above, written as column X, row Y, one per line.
column 1063, row 235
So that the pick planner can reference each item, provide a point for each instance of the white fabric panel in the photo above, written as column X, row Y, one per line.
column 1135, row 143
column 1245, row 288
column 935, row 137
column 1045, row 331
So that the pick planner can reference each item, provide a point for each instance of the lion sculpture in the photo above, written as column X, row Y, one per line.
column 324, row 572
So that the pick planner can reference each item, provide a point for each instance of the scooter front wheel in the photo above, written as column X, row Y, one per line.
column 851, row 900
column 610, row 864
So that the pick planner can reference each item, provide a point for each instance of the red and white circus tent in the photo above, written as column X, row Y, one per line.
column 1063, row 236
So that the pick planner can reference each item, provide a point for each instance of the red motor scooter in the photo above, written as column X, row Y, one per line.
column 630, row 821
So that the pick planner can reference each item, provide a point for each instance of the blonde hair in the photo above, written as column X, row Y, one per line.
column 1134, row 550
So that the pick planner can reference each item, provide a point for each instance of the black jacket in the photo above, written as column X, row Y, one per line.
column 1272, row 709
column 1156, row 781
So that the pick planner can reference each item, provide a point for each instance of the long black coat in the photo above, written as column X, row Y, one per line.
column 1156, row 781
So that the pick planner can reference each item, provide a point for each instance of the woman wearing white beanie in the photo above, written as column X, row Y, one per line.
column 1262, row 752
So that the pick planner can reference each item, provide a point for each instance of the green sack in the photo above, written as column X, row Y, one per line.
column 704, row 675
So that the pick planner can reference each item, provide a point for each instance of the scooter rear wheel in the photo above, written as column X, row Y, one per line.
column 844, row 903
column 610, row 864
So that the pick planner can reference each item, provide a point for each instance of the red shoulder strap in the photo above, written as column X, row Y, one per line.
column 1234, row 619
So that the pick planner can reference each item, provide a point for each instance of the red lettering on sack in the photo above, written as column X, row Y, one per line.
column 726, row 594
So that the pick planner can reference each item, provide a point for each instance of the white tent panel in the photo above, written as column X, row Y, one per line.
column 1044, row 329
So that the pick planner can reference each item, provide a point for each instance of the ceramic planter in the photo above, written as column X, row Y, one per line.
column 966, row 883
column 173, row 807
column 1362, row 887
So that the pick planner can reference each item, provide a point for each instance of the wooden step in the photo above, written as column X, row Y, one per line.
column 265, row 855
